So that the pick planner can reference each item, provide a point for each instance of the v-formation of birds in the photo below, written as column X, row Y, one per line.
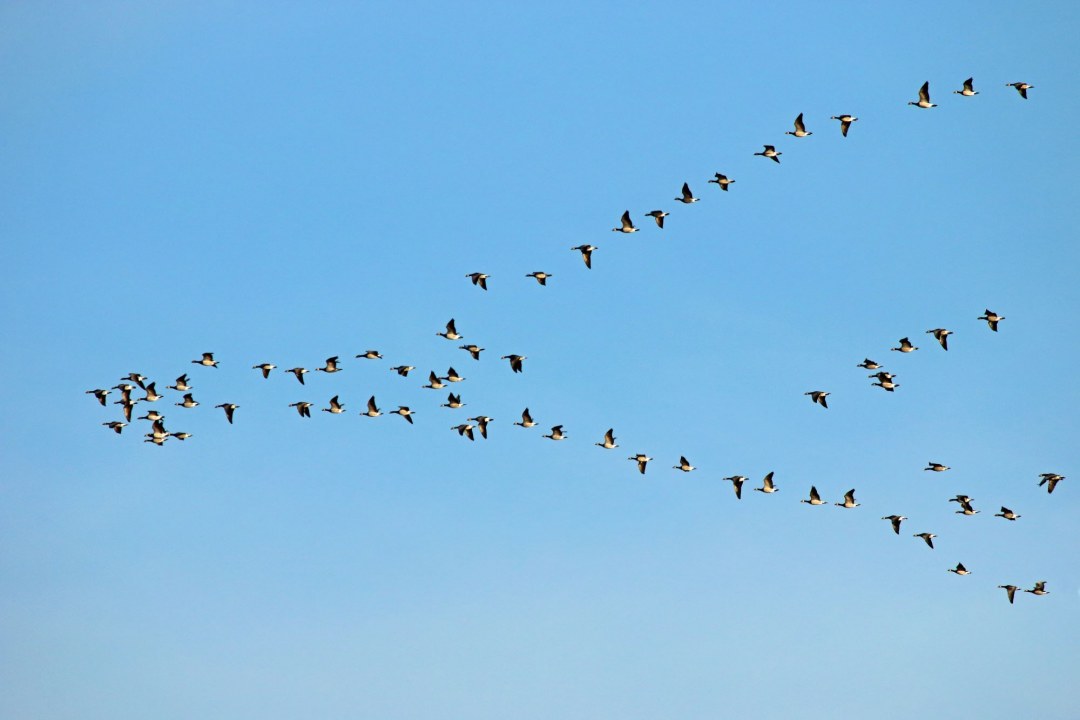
column 158, row 434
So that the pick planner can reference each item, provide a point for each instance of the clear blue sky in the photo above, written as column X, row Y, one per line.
column 276, row 182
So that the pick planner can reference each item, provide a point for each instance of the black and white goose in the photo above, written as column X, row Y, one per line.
column 818, row 396
column 968, row 90
column 941, row 335
column 869, row 364
column 815, row 498
column 331, row 365
column 1010, row 590
column 403, row 370
column 608, row 443
column 136, row 378
column 453, row 376
column 1050, row 480
column 126, row 407
column 482, row 424
column 181, row 435
column 845, row 122
column 370, row 355
column 960, row 569
column 961, row 499
column 1007, row 514
column 372, row 409
column 115, row 425
column 515, row 361
column 152, row 416
column 905, row 346
column 737, row 483
column 1039, row 589
column 229, row 409
column 924, row 97
column 188, row 402
column 405, row 412
column 684, row 465
column 849, row 500
column 1021, row 87
column 453, row 402
column 152, row 394
column 658, row 216
column 299, row 372
column 800, row 128
column 626, row 225
column 265, row 367
column 207, row 360
column 304, row 408
column 642, row 460
column 479, row 278
column 586, row 253
column 770, row 152
column 540, row 276
column 686, row 197
column 967, row 509
column 767, row 485
column 434, row 382
column 451, row 331
column 895, row 520
column 927, row 537
column 722, row 180
column 100, row 395
column 887, row 385
column 526, row 419
column 936, row 467
column 473, row 350
column 992, row 319
column 335, row 407
column 556, row 433
column 465, row 430
column 181, row 384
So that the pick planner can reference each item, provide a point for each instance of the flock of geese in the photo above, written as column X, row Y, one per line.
column 159, row 434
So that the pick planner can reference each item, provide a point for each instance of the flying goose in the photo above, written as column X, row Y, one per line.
column 302, row 407
column 482, row 424
column 515, row 361
column 125, row 396
column 479, row 278
column 136, row 378
column 882, row 375
column 770, row 152
column 158, row 429
column 372, row 410
column 370, row 355
column 189, row 402
column 960, row 569
column 992, row 319
column 845, row 122
column 453, row 402
column 800, row 128
column 556, row 433
column 1039, row 589
column 608, row 442
column 642, row 460
column 100, row 395
column 473, row 350
column 815, row 498
column 1021, row 87
column 895, row 520
column 434, row 382
column 658, row 216
column 452, row 376
column 181, row 435
column 968, row 90
column 737, row 483
column 905, row 346
column 1010, row 590
column 115, row 425
column 229, row 409
column 1007, row 514
column 331, row 365
column 157, row 440
column 686, row 197
column 818, row 397
column 941, row 335
column 526, row 420
column 404, row 412
column 265, row 367
column 966, row 509
column 961, row 499
column 181, row 384
column 451, row 331
column 207, row 360
column 125, row 388
column 849, row 500
column 465, row 430
column 722, row 180
column 152, row 393
column 586, row 253
column 626, row 225
column 924, row 97
column 335, row 407
column 888, row 385
column 126, row 407
column 152, row 416
column 767, row 485
column 869, row 364
column 927, row 537
column 299, row 372
column 540, row 277
column 936, row 467
column 1050, row 480
column 403, row 370
column 684, row 465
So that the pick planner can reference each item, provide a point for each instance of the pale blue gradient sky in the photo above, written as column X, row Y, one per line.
column 276, row 182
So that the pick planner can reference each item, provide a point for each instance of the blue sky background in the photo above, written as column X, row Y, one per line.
column 280, row 183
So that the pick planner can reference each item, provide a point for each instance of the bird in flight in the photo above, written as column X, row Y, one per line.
column 586, row 253
column 626, row 225
column 845, row 122
column 479, row 278
column 1021, row 87
column 968, row 90
column 686, row 197
column 924, row 97
column 207, row 360
column 800, row 128
column 818, row 396
column 770, row 152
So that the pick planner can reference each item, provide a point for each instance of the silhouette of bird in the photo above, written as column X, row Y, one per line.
column 845, row 122
column 1021, row 87
column 1039, row 589
column 152, row 393
column 817, row 396
column 331, row 366
column 770, row 152
column 152, row 416
column 800, row 128
column 482, row 424
column 608, row 442
column 265, row 367
column 586, row 253
column 335, row 407
column 526, row 420
column 966, row 509
column 465, row 430
column 1050, row 480
column 941, row 335
column 642, row 460
column 453, row 402
column 403, row 370
column 849, row 500
column 372, row 409
column 137, row 379
column 115, row 425
column 451, row 331
column 658, row 216
column 473, row 350
column 815, row 498
column 299, row 372
column 905, row 346
column 515, row 361
column 968, row 89
column 684, row 465
column 370, row 355
column 434, row 382
column 927, row 537
column 1010, row 590
column 895, row 520
column 181, row 384
column 100, row 395
column 1007, row 514
column 229, row 409
column 924, row 97
column 540, row 277
column 181, row 435
column 868, row 364
column 722, row 180
column 626, row 225
column 960, row 569
column 992, row 319
column 479, row 278
column 304, row 408
column 767, row 485
column 737, row 483
column 188, row 402
column 686, row 197
column 452, row 376
column 936, row 467
column 207, row 360
column 556, row 433
column 405, row 412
